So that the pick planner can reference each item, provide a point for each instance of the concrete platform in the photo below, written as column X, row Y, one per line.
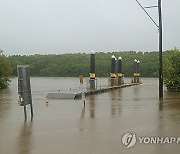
column 76, row 95
column 61, row 95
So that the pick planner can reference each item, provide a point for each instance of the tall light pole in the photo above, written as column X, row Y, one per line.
column 160, row 52
column 160, row 42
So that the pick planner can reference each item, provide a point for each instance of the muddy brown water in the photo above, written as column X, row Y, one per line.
column 67, row 127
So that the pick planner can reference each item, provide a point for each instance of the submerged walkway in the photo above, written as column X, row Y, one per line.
column 76, row 95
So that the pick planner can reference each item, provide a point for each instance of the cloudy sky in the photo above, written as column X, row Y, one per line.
column 68, row 26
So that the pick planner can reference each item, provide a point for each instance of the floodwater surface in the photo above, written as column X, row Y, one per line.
column 67, row 127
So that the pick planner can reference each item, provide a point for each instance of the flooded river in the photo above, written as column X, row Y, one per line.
column 67, row 127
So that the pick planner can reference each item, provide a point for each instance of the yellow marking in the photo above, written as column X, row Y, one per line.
column 119, row 74
column 136, row 74
column 92, row 75
column 113, row 75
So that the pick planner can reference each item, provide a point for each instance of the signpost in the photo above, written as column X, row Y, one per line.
column 24, row 88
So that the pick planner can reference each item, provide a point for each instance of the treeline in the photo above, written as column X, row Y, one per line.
column 73, row 65
column 172, row 70
column 79, row 63
column 5, row 71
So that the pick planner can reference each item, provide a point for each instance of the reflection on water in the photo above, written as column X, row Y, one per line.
column 66, row 126
column 160, row 105
column 5, row 97
column 25, row 142
column 83, row 113
column 92, row 106
column 116, row 96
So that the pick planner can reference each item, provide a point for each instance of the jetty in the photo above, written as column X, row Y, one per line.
column 115, row 81
column 78, row 94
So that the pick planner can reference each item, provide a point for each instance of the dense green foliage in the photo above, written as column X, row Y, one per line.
column 172, row 70
column 5, row 71
column 74, row 64
column 78, row 63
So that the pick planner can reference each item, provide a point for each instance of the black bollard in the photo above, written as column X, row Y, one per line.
column 135, row 71
column 119, row 73
column 138, row 71
column 92, row 71
column 113, row 73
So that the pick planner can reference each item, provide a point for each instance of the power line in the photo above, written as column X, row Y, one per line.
column 148, row 13
column 160, row 43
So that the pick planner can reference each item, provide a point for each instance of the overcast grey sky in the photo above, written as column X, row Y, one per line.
column 68, row 26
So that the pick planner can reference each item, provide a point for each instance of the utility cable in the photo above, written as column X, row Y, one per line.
column 148, row 13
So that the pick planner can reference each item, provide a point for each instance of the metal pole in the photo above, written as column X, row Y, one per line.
column 160, row 52
column 25, row 113
column 31, row 111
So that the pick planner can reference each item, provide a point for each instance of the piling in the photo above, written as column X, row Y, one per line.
column 136, row 76
column 138, row 71
column 119, row 72
column 135, row 71
column 113, row 73
column 92, row 79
